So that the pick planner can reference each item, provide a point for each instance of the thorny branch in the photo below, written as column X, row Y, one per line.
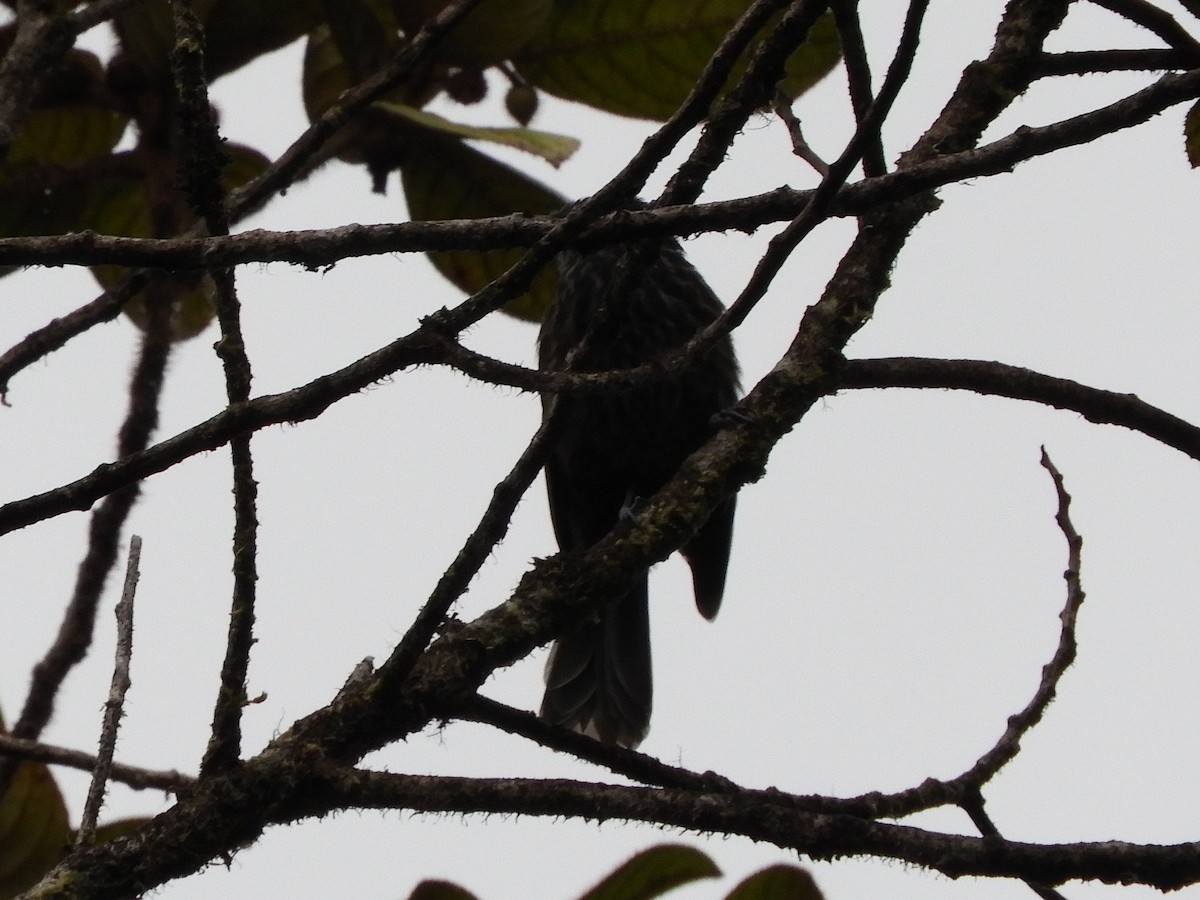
column 114, row 707
column 203, row 163
column 131, row 776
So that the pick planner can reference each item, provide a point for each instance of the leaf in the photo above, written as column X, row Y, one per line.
column 489, row 34
column 1191, row 134
column 240, row 31
column 446, row 179
column 70, row 130
column 32, row 202
column 34, row 834
column 326, row 76
column 440, row 890
column 364, row 40
column 67, row 136
column 119, row 205
column 653, row 872
column 554, row 148
column 147, row 34
column 236, row 31
column 641, row 59
column 71, row 121
column 779, row 882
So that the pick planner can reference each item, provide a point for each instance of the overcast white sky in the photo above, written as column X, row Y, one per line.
column 896, row 578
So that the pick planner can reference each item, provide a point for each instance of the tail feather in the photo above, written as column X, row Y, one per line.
column 598, row 678
column 707, row 555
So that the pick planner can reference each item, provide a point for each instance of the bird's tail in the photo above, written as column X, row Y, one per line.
column 598, row 679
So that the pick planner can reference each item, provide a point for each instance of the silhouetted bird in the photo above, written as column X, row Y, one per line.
column 630, row 304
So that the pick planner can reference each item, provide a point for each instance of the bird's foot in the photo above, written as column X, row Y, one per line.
column 728, row 417
column 631, row 507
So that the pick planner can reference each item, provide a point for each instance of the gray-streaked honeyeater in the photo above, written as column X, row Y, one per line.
column 625, row 305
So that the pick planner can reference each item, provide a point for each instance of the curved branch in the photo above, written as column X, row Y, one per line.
column 818, row 836
column 1020, row 724
column 999, row 379
column 45, row 340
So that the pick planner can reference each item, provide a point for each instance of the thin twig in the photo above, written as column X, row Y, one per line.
column 972, row 804
column 492, row 527
column 97, row 12
column 203, row 164
column 1089, row 62
column 293, row 162
column 816, row 210
column 1153, row 18
column 629, row 181
column 54, row 335
column 1002, row 380
column 114, row 707
column 1009, row 744
column 858, row 77
column 753, row 91
column 631, row 764
column 800, row 146
column 131, row 776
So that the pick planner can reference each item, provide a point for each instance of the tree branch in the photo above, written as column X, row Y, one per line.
column 1094, row 62
column 132, row 776
column 114, row 706
column 1154, row 19
column 316, row 248
column 999, row 379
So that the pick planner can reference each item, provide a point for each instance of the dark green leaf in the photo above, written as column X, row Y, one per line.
column 440, row 890
column 147, row 34
column 780, row 882
column 653, row 872
column 33, row 829
column 118, row 205
column 641, row 59
column 446, row 179
column 364, row 40
column 489, row 34
column 240, row 31
column 72, row 120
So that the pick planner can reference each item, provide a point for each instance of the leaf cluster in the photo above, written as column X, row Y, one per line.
column 63, row 173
